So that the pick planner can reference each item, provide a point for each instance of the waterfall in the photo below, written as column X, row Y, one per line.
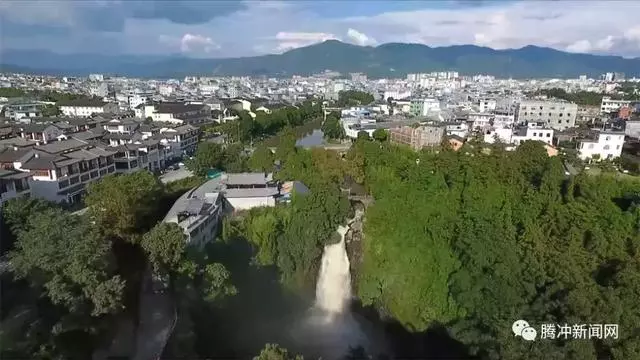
column 330, row 329
column 333, row 289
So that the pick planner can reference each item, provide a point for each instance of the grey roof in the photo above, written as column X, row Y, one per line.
column 206, row 194
column 33, row 128
column 88, row 134
column 13, row 174
column 16, row 141
column 10, row 155
column 82, row 154
column 41, row 162
column 248, row 179
column 57, row 147
column 247, row 193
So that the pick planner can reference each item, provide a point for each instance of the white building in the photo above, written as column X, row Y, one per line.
column 198, row 213
column 244, row 191
column 85, row 108
column 487, row 105
column 61, row 170
column 503, row 120
column 533, row 131
column 480, row 121
column 424, row 107
column 458, row 129
column 503, row 135
column 558, row 115
column 609, row 105
column 605, row 146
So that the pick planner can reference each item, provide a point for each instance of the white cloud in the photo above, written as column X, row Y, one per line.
column 569, row 25
column 293, row 40
column 266, row 27
column 360, row 38
column 190, row 42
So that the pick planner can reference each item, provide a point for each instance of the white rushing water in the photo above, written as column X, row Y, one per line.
column 329, row 329
column 333, row 289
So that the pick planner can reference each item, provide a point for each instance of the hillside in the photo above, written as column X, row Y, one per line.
column 387, row 60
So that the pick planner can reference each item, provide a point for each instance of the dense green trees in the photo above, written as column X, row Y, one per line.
column 275, row 352
column 332, row 128
column 479, row 241
column 124, row 206
column 42, row 95
column 354, row 98
column 380, row 135
column 579, row 97
column 247, row 129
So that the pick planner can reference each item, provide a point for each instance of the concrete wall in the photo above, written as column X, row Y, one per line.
column 251, row 202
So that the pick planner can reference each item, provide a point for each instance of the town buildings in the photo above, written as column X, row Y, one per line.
column 610, row 105
column 604, row 145
column 86, row 107
column 558, row 115
column 418, row 137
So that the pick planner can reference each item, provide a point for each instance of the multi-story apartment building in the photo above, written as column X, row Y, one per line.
column 13, row 184
column 609, row 105
column 60, row 170
column 423, row 107
column 181, row 140
column 25, row 110
column 588, row 114
column 175, row 112
column 487, row 105
column 86, row 107
column 558, row 115
column 417, row 138
column 604, row 145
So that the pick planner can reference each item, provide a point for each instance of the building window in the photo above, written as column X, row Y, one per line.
column 606, row 147
column 534, row 134
column 548, row 134
column 63, row 184
column 607, row 138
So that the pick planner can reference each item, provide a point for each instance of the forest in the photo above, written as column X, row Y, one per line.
column 463, row 243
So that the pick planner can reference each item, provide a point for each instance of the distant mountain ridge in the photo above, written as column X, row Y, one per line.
column 386, row 60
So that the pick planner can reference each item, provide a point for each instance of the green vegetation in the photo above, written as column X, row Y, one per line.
column 332, row 128
column 215, row 156
column 247, row 129
column 73, row 276
column 292, row 236
column 467, row 241
column 579, row 97
column 479, row 241
column 354, row 98
column 275, row 352
column 43, row 95
column 629, row 92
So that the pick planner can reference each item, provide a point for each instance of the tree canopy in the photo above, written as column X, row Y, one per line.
column 480, row 241
column 123, row 205
column 354, row 98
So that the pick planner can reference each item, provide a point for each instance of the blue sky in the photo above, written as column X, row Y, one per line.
column 224, row 28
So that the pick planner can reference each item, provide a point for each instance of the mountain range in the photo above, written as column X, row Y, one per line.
column 387, row 60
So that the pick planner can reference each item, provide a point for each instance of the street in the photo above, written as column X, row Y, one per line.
column 175, row 175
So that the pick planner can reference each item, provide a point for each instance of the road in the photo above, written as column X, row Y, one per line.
column 175, row 175
column 157, row 319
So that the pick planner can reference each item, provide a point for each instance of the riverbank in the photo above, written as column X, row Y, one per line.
column 301, row 132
